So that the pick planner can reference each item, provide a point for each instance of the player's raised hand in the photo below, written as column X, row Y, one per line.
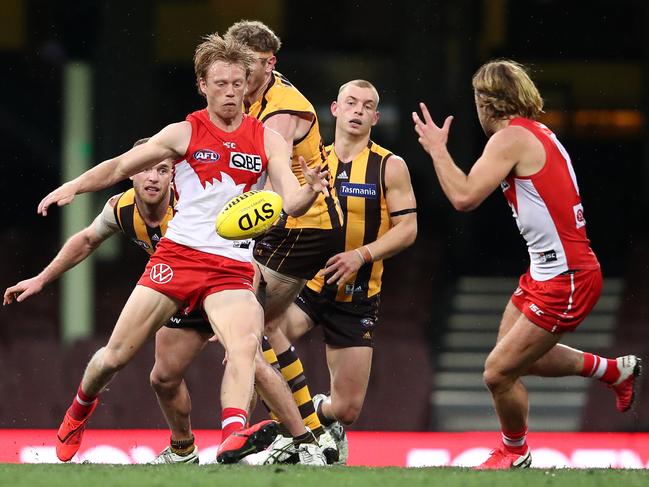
column 63, row 195
column 318, row 180
column 431, row 136
column 21, row 291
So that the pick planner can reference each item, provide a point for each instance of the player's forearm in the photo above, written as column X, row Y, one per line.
column 75, row 250
column 99, row 177
column 453, row 180
column 396, row 239
column 299, row 202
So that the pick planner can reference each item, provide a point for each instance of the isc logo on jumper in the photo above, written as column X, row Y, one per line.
column 361, row 190
column 206, row 155
column 245, row 162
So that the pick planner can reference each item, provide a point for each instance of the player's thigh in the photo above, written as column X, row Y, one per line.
column 144, row 312
column 510, row 316
column 520, row 347
column 294, row 322
column 234, row 314
column 176, row 349
column 349, row 369
column 281, row 291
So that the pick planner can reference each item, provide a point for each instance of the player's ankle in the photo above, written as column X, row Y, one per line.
column 518, row 450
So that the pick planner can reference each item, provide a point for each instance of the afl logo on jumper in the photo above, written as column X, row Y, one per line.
column 206, row 155
column 161, row 273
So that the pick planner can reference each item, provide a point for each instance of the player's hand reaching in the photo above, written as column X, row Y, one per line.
column 341, row 267
column 431, row 137
column 63, row 195
column 318, row 180
column 22, row 290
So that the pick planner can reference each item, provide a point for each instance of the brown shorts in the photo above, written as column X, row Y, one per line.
column 344, row 324
column 297, row 252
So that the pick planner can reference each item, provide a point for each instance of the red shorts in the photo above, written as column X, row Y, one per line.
column 189, row 275
column 561, row 303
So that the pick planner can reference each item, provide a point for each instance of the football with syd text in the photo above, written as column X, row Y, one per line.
column 248, row 215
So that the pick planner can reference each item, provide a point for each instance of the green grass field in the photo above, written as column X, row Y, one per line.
column 12, row 475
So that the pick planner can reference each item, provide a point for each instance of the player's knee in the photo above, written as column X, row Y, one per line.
column 347, row 412
column 244, row 347
column 163, row 383
column 494, row 379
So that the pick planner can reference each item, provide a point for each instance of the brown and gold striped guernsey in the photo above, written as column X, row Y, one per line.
column 360, row 186
column 133, row 225
column 279, row 97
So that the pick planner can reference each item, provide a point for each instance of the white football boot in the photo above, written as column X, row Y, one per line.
column 311, row 454
column 168, row 456
column 283, row 451
column 328, row 446
column 335, row 431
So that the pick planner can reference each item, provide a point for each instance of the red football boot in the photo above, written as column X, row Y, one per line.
column 630, row 367
column 70, row 435
column 503, row 459
column 247, row 441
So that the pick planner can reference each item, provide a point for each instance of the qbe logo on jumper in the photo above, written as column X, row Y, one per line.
column 161, row 273
column 245, row 162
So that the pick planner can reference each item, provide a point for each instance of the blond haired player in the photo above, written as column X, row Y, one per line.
column 296, row 247
column 142, row 214
column 563, row 283
column 193, row 266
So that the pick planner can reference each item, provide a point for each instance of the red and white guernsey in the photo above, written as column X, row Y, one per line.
column 548, row 210
column 217, row 167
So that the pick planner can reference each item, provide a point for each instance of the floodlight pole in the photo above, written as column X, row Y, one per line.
column 77, row 286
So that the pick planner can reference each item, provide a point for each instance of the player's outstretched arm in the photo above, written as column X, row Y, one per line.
column 75, row 250
column 170, row 142
column 467, row 192
column 402, row 206
column 296, row 199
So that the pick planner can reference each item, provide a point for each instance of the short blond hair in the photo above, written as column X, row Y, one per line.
column 216, row 48
column 256, row 35
column 504, row 89
column 361, row 83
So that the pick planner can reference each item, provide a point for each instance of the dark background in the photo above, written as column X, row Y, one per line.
column 590, row 60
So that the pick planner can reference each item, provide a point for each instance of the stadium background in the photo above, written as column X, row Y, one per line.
column 591, row 63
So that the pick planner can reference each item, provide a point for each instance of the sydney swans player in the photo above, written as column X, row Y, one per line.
column 193, row 266
column 564, row 280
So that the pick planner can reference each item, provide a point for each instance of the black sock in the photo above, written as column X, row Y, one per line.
column 304, row 438
column 324, row 420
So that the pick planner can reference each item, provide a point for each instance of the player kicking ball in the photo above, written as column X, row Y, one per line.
column 564, row 280
column 193, row 267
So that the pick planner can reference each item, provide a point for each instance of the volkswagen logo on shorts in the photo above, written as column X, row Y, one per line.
column 161, row 273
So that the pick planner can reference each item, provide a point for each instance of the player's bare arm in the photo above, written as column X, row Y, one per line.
column 402, row 206
column 466, row 192
column 170, row 142
column 76, row 249
column 296, row 200
column 290, row 126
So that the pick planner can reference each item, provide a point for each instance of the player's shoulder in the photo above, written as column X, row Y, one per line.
column 383, row 152
column 513, row 138
column 396, row 170
column 113, row 200
column 285, row 96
